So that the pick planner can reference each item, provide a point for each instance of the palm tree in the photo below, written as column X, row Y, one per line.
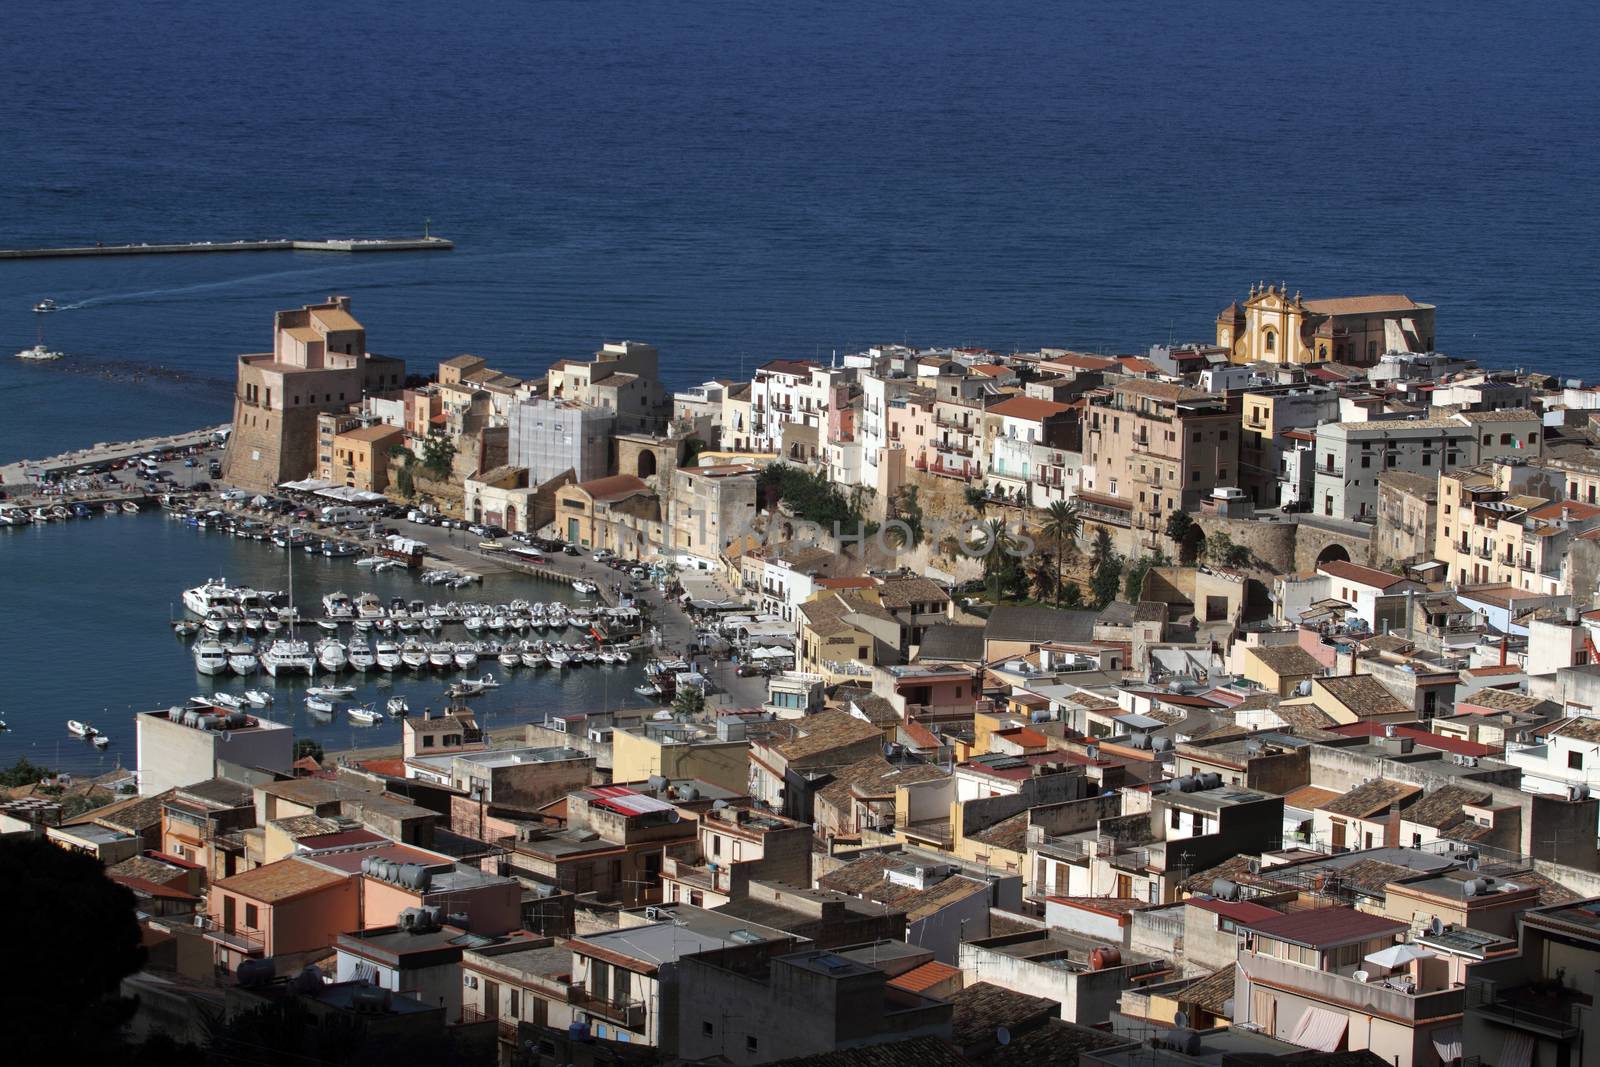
column 1101, row 550
column 995, row 554
column 977, row 500
column 1044, row 575
column 1061, row 524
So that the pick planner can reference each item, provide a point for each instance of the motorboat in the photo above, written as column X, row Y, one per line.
column 414, row 656
column 257, row 698
column 365, row 714
column 534, row 659
column 339, row 549
column 131, row 507
column 361, row 657
column 398, row 707
column 557, row 658
column 466, row 657
column 327, row 626
column 242, row 658
column 227, row 700
column 330, row 692
column 210, row 657
column 320, row 704
column 100, row 741
column 40, row 353
column 510, row 658
column 332, row 655
column 441, row 657
column 288, row 655
column 185, row 627
column 45, row 306
column 110, row 507
column 583, row 588
column 80, row 729
column 387, row 653
column 217, row 594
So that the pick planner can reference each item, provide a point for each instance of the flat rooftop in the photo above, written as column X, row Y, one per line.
column 502, row 757
column 684, row 931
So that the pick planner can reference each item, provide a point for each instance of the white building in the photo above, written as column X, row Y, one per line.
column 1563, row 758
column 781, row 391
column 1351, row 455
column 549, row 437
column 176, row 747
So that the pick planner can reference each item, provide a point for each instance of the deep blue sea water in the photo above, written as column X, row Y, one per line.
column 734, row 182
column 738, row 181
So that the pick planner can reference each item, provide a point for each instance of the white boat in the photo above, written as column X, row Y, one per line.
column 227, row 700
column 534, row 659
column 218, row 595
column 333, row 656
column 338, row 606
column 327, row 626
column 466, row 658
column 330, row 692
column 361, row 657
column 583, row 588
column 210, row 657
column 557, row 658
column 100, row 741
column 288, row 655
column 398, row 707
column 368, row 606
column 242, row 659
column 131, row 507
column 185, row 627
column 39, row 353
column 414, row 656
column 45, row 306
column 509, row 659
column 80, row 729
column 387, row 654
column 320, row 704
column 257, row 698
column 441, row 657
column 365, row 714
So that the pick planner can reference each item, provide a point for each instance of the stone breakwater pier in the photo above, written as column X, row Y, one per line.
column 21, row 472
column 347, row 244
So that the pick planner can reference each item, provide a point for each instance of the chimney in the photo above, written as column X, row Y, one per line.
column 1502, row 650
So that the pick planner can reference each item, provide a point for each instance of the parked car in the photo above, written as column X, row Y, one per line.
column 571, row 550
column 601, row 555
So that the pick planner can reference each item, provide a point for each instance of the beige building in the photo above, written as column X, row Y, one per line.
column 1407, row 513
column 1489, row 533
column 709, row 508
column 1270, row 326
column 319, row 363
column 1154, row 447
column 619, row 513
column 359, row 457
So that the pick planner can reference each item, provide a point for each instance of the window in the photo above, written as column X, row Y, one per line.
column 1197, row 437
column 707, row 1030
column 1366, row 461
column 1175, row 817
column 1222, row 435
column 514, row 1005
column 750, row 1043
column 1269, row 340
column 1505, row 439
column 716, row 844
column 1575, row 761
column 251, row 917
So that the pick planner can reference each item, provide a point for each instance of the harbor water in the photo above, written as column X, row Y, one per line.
column 85, row 634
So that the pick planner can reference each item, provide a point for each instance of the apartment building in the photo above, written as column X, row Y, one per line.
column 1027, row 445
column 1493, row 531
column 1407, row 522
column 550, row 436
column 956, row 450
column 781, row 391
column 622, row 378
column 1267, row 415
column 1154, row 447
column 737, row 846
column 1351, row 455
column 619, row 512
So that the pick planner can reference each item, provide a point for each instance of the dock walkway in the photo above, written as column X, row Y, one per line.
column 20, row 473
column 338, row 244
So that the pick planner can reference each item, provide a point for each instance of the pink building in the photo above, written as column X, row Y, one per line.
column 290, row 912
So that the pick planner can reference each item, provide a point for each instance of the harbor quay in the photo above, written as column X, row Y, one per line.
column 339, row 244
column 27, row 472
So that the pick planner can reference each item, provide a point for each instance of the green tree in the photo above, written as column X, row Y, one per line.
column 997, row 551
column 689, row 701
column 1107, row 579
column 1133, row 583
column 1072, row 596
column 1178, row 525
column 1062, row 522
column 23, row 773
column 977, row 500
column 405, row 481
column 1194, row 541
column 1044, row 576
column 692, row 447
column 807, row 495
column 307, row 746
column 438, row 453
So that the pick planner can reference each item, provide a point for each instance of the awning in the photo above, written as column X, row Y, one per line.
column 1517, row 1051
column 1447, row 1043
column 1322, row 1030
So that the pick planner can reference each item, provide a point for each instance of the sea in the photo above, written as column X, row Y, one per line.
column 736, row 182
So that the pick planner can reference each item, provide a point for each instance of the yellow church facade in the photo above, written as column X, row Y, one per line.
column 1270, row 326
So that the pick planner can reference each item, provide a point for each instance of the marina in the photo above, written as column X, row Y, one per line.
column 119, row 609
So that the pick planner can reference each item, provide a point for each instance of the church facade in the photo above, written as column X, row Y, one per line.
column 1270, row 326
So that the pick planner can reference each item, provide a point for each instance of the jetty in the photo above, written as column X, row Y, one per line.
column 22, row 472
column 426, row 243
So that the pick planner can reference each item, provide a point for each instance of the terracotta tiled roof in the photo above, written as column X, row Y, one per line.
column 1355, row 572
column 280, row 881
column 1374, row 304
column 1363, row 695
column 925, row 977
column 1290, row 660
column 1372, row 798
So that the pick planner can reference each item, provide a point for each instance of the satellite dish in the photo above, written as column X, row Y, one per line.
column 1181, row 1020
column 1002, row 1036
column 673, row 815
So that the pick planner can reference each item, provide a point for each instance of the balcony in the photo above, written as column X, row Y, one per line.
column 1483, row 552
column 505, row 1029
column 250, row 944
column 1332, row 470
column 629, row 1015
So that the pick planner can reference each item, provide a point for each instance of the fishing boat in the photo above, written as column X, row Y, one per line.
column 80, row 729
column 320, row 704
column 365, row 714
column 398, row 707
column 330, row 692
column 40, row 353
column 45, row 306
